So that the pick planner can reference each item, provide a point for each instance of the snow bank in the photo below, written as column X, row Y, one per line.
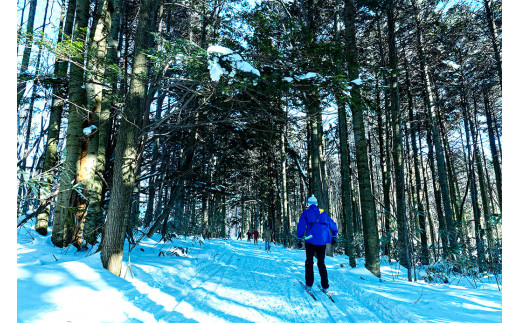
column 226, row 281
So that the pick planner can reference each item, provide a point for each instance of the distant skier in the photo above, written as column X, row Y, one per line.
column 267, row 235
column 249, row 234
column 315, row 227
column 255, row 236
column 239, row 236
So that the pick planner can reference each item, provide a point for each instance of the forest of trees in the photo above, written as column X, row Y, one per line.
column 388, row 111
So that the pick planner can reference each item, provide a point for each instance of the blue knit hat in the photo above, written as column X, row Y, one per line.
column 312, row 200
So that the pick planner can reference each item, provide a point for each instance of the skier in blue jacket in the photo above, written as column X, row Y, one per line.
column 317, row 229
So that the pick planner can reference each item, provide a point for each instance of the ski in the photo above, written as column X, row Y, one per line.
column 308, row 291
column 328, row 295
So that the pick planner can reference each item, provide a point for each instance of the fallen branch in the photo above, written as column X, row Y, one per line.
column 422, row 292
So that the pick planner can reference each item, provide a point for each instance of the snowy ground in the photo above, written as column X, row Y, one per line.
column 228, row 281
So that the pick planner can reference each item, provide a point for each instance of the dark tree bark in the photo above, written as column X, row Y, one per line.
column 65, row 215
column 59, row 90
column 22, row 81
column 127, row 143
column 481, row 180
column 368, row 209
column 494, row 38
column 384, row 150
column 434, row 120
column 493, row 147
column 346, row 193
column 473, row 188
column 418, row 184
column 437, row 195
column 318, row 177
column 397, row 153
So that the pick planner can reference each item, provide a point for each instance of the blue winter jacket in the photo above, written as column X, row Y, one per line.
column 321, row 229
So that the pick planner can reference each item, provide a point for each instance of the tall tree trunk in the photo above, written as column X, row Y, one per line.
column 494, row 38
column 284, row 193
column 437, row 196
column 414, row 132
column 473, row 188
column 397, row 153
column 64, row 215
column 383, row 150
column 21, row 87
column 451, row 177
column 428, row 208
column 318, row 178
column 34, row 92
column 346, row 192
column 493, row 147
column 486, row 171
column 441, row 166
column 30, row 110
column 22, row 81
column 19, row 32
column 57, row 104
column 127, row 143
column 155, row 154
column 369, row 216
column 110, row 23
column 94, row 93
column 482, row 185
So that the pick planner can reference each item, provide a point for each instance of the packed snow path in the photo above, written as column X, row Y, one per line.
column 228, row 281
column 237, row 281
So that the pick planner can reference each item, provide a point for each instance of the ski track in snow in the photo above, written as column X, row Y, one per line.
column 226, row 278
column 231, row 281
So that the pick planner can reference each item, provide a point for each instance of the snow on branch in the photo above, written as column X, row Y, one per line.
column 218, row 54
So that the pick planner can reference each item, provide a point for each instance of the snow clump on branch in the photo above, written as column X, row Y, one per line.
column 88, row 130
column 218, row 54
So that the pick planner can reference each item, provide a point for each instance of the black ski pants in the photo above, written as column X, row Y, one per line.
column 310, row 250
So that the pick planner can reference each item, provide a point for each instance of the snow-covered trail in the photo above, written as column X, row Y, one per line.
column 239, row 281
column 228, row 281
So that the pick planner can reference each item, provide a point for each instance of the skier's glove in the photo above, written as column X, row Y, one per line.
column 299, row 243
column 334, row 241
